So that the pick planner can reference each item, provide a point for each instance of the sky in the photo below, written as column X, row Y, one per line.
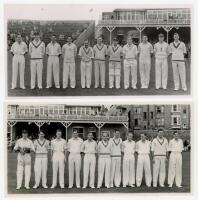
column 58, row 12
column 63, row 12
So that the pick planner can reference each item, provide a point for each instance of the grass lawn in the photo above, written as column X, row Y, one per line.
column 12, row 163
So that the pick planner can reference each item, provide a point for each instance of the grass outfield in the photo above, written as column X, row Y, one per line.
column 78, row 91
column 143, row 189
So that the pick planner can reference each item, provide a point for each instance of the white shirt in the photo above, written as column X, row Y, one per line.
column 114, row 52
column 116, row 145
column 159, row 146
column 161, row 50
column 130, row 52
column 19, row 48
column 53, row 49
column 128, row 148
column 176, row 146
column 37, row 49
column 41, row 147
column 89, row 147
column 74, row 145
column 69, row 52
column 100, row 51
column 86, row 54
column 58, row 145
column 24, row 143
column 145, row 50
column 143, row 147
column 104, row 148
column 178, row 50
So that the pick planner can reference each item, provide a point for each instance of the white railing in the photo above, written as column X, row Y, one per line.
column 144, row 22
column 60, row 117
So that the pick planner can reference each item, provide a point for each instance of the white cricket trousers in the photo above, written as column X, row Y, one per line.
column 145, row 68
column 23, row 164
column 53, row 68
column 40, row 170
column 99, row 69
column 18, row 64
column 130, row 68
column 89, row 169
column 36, row 69
column 74, row 166
column 128, row 170
column 104, row 168
column 161, row 73
column 143, row 165
column 175, row 169
column 115, row 171
column 159, row 170
column 58, row 166
column 179, row 73
column 69, row 73
column 86, row 71
column 114, row 71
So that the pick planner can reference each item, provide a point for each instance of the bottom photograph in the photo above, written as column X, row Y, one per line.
column 62, row 148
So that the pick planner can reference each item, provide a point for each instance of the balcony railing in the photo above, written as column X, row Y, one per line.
column 63, row 117
column 145, row 22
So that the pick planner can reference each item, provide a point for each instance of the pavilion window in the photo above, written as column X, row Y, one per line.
column 136, row 122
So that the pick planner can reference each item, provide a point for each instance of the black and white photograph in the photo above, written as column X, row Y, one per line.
column 97, row 50
column 65, row 148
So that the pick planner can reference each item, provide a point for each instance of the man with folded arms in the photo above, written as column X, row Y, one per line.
column 53, row 50
column 100, row 52
column 128, row 148
column 36, row 51
column 24, row 147
column 41, row 146
column 104, row 162
column 143, row 147
column 175, row 161
column 58, row 151
column 130, row 63
column 18, row 50
column 86, row 54
column 74, row 149
column 89, row 148
column 159, row 148
column 116, row 144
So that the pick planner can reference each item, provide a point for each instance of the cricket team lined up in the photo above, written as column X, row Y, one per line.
column 109, row 152
column 100, row 53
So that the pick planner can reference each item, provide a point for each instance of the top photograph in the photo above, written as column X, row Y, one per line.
column 97, row 50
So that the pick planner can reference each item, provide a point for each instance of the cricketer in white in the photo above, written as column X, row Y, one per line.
column 24, row 146
column 159, row 148
column 104, row 161
column 89, row 148
column 116, row 144
column 58, row 153
column 41, row 146
column 143, row 147
column 175, row 161
column 162, row 51
column 128, row 148
column 18, row 50
column 74, row 148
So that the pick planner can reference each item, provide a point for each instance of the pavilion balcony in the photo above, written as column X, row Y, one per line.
column 146, row 22
column 67, row 117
